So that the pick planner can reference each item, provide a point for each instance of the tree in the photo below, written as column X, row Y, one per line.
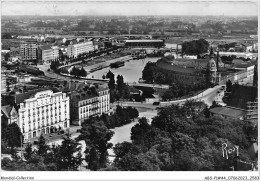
column 14, row 155
column 12, row 135
column 61, row 56
column 195, row 47
column 138, row 131
column 83, row 72
column 126, row 92
column 132, row 112
column 28, row 152
column 109, row 74
column 7, row 56
column 96, row 136
column 120, row 84
column 42, row 146
column 111, row 77
column 229, row 86
column 148, row 72
column 93, row 163
column 70, row 154
column 6, row 36
column 168, row 95
column 122, row 149
column 4, row 148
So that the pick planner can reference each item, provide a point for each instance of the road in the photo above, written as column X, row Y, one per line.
column 208, row 96
column 53, row 75
column 160, row 86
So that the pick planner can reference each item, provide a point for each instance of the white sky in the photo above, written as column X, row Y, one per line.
column 233, row 8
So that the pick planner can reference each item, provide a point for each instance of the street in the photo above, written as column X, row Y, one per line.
column 208, row 96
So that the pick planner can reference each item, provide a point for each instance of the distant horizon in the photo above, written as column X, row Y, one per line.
column 134, row 15
column 127, row 8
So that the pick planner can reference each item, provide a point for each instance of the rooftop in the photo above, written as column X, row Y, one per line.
column 141, row 41
column 82, row 96
column 227, row 111
column 83, row 43
column 6, row 110
column 182, row 65
column 241, row 95
column 45, row 47
column 244, row 64
column 23, row 96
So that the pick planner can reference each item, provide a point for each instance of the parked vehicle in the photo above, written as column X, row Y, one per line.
column 156, row 103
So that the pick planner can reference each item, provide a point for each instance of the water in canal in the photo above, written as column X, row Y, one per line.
column 131, row 72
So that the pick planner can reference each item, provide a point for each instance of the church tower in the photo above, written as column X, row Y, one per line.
column 212, row 68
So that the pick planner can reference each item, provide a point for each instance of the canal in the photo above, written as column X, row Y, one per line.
column 131, row 71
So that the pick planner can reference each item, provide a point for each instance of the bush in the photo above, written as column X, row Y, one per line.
column 4, row 148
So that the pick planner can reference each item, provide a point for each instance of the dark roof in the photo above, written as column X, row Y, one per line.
column 6, row 110
column 82, row 96
column 21, row 97
column 73, row 87
column 183, row 65
column 45, row 47
column 101, row 88
column 244, row 64
column 227, row 111
column 241, row 95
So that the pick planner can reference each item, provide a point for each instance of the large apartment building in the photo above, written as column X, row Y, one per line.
column 47, row 54
column 40, row 111
column 28, row 51
column 95, row 101
column 75, row 49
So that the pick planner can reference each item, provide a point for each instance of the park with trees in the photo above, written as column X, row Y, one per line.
column 183, row 139
column 179, row 138
column 195, row 47
column 119, row 90
column 43, row 157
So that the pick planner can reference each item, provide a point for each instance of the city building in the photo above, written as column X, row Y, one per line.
column 47, row 54
column 228, row 112
column 9, row 115
column 144, row 43
column 3, row 84
column 241, row 73
column 191, row 71
column 92, row 102
column 242, row 104
column 28, row 51
column 237, row 54
column 40, row 111
column 76, row 49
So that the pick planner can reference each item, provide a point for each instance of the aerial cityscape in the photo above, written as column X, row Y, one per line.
column 94, row 86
